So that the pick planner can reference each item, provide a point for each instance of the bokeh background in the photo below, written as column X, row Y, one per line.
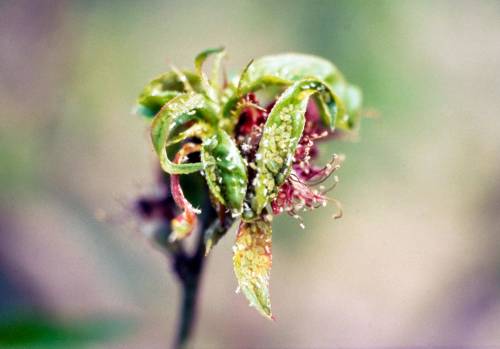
column 414, row 261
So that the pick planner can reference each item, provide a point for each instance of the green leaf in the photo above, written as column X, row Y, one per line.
column 352, row 98
column 252, row 264
column 198, row 62
column 214, row 78
column 284, row 70
column 212, row 237
column 29, row 329
column 281, row 134
column 163, row 89
column 293, row 67
column 216, row 231
column 232, row 95
column 178, row 110
column 199, row 130
column 228, row 179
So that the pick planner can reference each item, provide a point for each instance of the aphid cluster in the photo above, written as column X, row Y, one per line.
column 228, row 177
column 252, row 259
column 251, row 155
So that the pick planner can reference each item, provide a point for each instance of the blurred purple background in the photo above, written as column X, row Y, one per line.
column 413, row 262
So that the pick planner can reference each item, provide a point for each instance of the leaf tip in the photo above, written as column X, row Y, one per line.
column 208, row 247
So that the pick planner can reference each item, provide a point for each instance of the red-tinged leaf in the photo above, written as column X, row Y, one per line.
column 252, row 263
column 184, row 224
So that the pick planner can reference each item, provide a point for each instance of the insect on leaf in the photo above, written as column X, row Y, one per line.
column 252, row 264
column 282, row 132
column 284, row 70
column 228, row 179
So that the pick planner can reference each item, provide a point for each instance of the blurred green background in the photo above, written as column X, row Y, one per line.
column 413, row 262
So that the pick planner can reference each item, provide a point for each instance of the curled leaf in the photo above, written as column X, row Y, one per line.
column 293, row 67
column 282, row 132
column 233, row 93
column 284, row 70
column 252, row 264
column 228, row 119
column 184, row 224
column 198, row 62
column 214, row 78
column 163, row 89
column 352, row 98
column 228, row 179
column 179, row 110
column 198, row 129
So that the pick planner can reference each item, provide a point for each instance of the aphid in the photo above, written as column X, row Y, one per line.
column 228, row 166
column 248, row 167
column 253, row 262
column 287, row 118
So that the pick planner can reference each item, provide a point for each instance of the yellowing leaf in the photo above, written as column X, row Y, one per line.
column 252, row 264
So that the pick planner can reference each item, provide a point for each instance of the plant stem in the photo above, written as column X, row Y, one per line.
column 189, row 270
column 187, row 267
